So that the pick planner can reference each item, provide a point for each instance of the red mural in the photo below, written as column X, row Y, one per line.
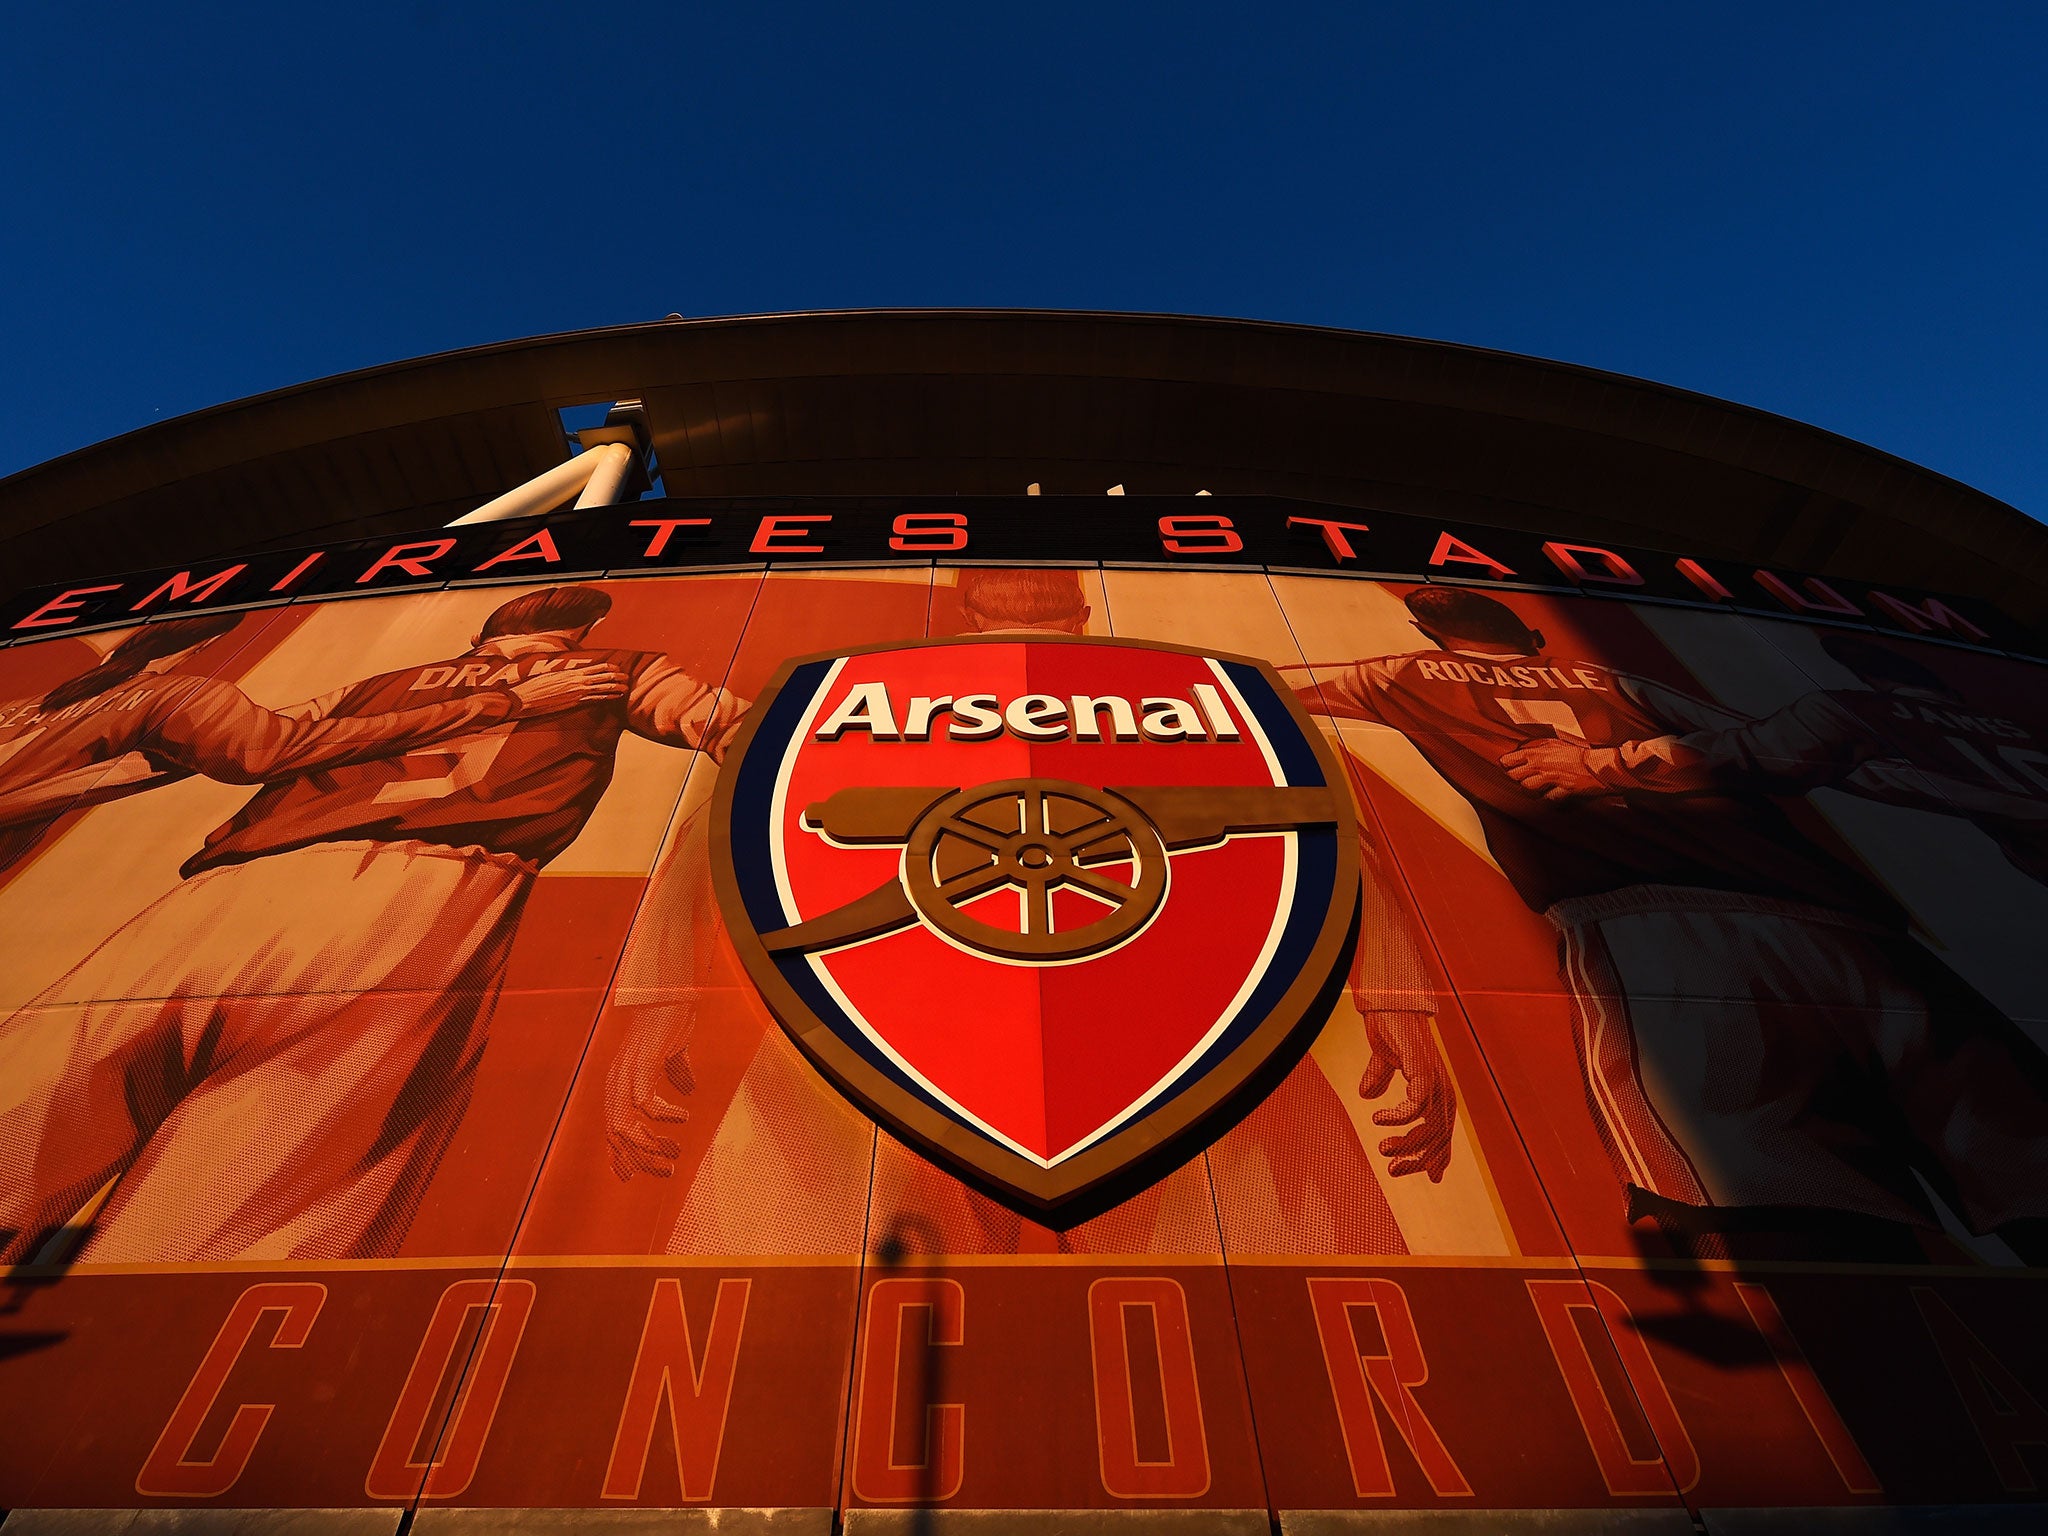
column 393, row 1110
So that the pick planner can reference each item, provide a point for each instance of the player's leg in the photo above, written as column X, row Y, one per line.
column 1973, row 1089
column 87, row 1075
column 294, row 1144
column 1738, row 1055
column 1612, row 1032
column 331, row 916
column 81, row 1086
column 324, row 1104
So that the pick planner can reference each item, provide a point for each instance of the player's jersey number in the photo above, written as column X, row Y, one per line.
column 1554, row 713
column 461, row 762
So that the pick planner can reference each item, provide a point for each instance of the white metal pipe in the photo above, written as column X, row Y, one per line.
column 607, row 475
column 543, row 493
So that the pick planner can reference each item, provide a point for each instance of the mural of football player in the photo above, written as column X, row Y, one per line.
column 271, row 1058
column 1756, row 1031
column 1907, row 738
column 140, row 719
column 784, row 1164
column 918, row 1206
column 775, row 1132
column 1336, row 1159
column 784, row 1129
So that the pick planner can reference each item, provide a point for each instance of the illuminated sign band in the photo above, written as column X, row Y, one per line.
column 669, row 537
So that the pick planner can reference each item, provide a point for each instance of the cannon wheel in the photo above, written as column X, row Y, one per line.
column 1035, row 836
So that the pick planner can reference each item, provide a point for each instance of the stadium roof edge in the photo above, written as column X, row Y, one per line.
column 974, row 401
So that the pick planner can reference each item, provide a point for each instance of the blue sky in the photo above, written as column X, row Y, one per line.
column 1834, row 211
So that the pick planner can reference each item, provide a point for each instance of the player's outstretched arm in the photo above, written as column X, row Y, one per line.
column 1334, row 692
column 1406, row 1043
column 81, row 788
column 551, row 693
column 1552, row 768
column 1564, row 770
column 644, row 1088
column 1894, row 781
column 1555, row 770
column 665, row 972
column 670, row 706
column 1811, row 743
column 1396, row 999
column 216, row 730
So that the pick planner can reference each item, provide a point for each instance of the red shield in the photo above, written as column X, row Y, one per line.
column 1039, row 904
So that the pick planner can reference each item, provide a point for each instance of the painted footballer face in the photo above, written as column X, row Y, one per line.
column 1041, row 905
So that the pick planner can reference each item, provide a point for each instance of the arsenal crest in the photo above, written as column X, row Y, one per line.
column 1040, row 904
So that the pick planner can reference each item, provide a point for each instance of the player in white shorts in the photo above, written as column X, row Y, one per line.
column 1757, row 1032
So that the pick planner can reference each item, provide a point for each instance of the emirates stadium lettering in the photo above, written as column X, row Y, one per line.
column 1170, row 531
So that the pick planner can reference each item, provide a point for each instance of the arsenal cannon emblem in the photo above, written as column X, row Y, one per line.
column 1041, row 905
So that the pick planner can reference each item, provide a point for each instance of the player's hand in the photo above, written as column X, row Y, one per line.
column 1556, row 770
column 567, row 688
column 1406, row 1043
column 648, row 1077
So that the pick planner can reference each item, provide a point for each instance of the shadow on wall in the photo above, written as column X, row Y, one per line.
column 908, row 1237
column 54, row 1252
column 1675, row 1241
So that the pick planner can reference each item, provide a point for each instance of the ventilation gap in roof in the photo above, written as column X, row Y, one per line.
column 581, row 418
column 584, row 426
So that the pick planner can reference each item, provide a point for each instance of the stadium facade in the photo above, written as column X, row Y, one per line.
column 1018, row 921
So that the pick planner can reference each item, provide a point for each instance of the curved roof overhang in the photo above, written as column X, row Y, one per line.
column 976, row 402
